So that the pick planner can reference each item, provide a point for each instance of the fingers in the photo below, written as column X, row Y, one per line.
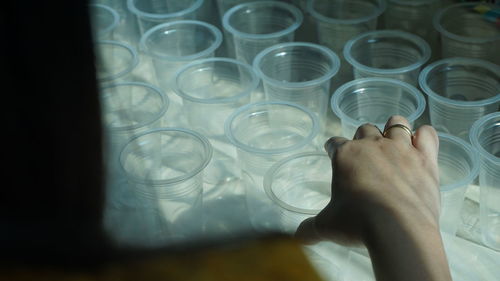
column 367, row 130
column 427, row 142
column 332, row 144
column 395, row 131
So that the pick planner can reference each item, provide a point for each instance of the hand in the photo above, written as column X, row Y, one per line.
column 377, row 178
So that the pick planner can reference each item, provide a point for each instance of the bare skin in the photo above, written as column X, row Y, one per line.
column 386, row 196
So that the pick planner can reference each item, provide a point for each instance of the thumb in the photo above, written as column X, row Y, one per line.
column 307, row 231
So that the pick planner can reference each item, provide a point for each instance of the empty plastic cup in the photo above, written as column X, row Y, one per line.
column 460, row 91
column 387, row 53
column 211, row 89
column 337, row 21
column 299, row 73
column 115, row 61
column 264, row 133
column 300, row 185
column 150, row 13
column 414, row 16
column 458, row 168
column 174, row 44
column 257, row 25
column 104, row 20
column 165, row 169
column 374, row 100
column 485, row 138
column 469, row 30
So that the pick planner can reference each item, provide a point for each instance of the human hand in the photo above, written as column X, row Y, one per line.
column 377, row 179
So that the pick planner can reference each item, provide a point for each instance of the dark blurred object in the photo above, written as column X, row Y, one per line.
column 50, row 206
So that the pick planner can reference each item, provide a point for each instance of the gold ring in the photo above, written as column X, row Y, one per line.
column 398, row 126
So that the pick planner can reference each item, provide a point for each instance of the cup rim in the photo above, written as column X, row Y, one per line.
column 239, row 145
column 411, row 89
column 380, row 9
column 469, row 151
column 422, row 80
column 133, row 54
column 114, row 14
column 132, row 8
column 436, row 21
column 334, row 59
column 424, row 48
column 204, row 142
column 476, row 130
column 161, row 94
column 214, row 30
column 246, row 92
column 268, row 181
column 292, row 9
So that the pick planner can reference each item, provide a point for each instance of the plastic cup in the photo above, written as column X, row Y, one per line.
column 468, row 32
column 115, row 61
column 150, row 13
column 211, row 89
column 299, row 73
column 257, row 25
column 127, row 29
column 300, row 185
column 374, row 100
column 337, row 21
column 387, row 53
column 485, row 138
column 458, row 167
column 174, row 44
column 414, row 16
column 264, row 133
column 104, row 20
column 165, row 169
column 460, row 91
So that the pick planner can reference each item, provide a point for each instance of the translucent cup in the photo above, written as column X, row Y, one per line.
column 211, row 89
column 257, row 25
column 115, row 61
column 104, row 20
column 300, row 185
column 337, row 21
column 374, row 100
column 264, row 133
column 165, row 169
column 387, row 53
column 460, row 91
column 485, row 138
column 414, row 16
column 458, row 168
column 150, row 13
column 466, row 32
column 299, row 73
column 174, row 44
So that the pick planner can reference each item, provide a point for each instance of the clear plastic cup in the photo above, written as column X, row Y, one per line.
column 299, row 73
column 460, row 91
column 466, row 31
column 104, row 20
column 414, row 16
column 300, row 185
column 458, row 168
column 127, row 29
column 174, row 44
column 150, row 13
column 165, row 169
column 485, row 138
column 264, row 133
column 374, row 100
column 115, row 61
column 257, row 25
column 337, row 21
column 387, row 53
column 211, row 89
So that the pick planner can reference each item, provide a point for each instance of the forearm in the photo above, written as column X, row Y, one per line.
column 402, row 251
